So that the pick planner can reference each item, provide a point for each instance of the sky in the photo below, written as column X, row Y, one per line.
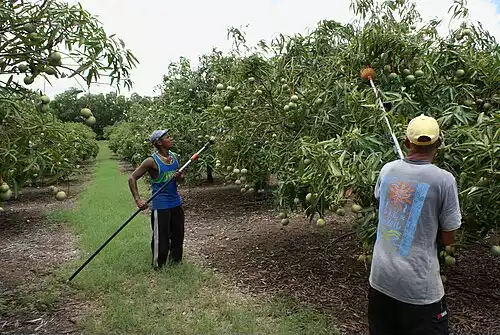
column 160, row 31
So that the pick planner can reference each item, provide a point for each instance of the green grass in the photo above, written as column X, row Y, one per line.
column 184, row 299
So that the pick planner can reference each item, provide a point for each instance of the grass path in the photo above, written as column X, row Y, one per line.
column 185, row 299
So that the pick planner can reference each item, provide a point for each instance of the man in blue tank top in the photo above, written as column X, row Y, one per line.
column 167, row 215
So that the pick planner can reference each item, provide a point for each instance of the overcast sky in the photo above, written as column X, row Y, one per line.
column 160, row 31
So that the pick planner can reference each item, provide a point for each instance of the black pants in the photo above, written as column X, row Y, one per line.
column 389, row 316
column 168, row 235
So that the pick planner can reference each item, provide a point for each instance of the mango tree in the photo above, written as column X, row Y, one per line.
column 297, row 109
column 48, row 40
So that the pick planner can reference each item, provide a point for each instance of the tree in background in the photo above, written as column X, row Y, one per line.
column 107, row 108
column 48, row 40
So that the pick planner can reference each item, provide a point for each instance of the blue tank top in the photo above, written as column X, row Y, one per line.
column 168, row 197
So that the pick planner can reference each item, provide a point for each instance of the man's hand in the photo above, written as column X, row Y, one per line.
column 141, row 204
column 178, row 175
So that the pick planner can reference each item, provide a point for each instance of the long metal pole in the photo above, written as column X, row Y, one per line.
column 397, row 148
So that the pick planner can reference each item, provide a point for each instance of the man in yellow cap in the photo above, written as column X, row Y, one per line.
column 415, row 199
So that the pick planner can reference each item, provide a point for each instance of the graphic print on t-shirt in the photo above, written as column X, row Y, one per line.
column 402, row 202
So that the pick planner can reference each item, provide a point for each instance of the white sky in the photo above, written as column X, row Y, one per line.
column 160, row 31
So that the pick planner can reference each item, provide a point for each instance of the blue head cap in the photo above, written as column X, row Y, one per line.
column 157, row 134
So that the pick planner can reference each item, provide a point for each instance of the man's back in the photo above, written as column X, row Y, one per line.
column 414, row 197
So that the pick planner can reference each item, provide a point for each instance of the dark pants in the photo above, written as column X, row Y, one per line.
column 389, row 316
column 168, row 235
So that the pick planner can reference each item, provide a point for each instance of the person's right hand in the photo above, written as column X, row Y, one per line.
column 141, row 204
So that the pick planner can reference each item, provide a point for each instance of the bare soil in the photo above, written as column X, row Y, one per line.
column 32, row 299
column 243, row 239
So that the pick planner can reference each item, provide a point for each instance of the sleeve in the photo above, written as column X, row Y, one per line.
column 450, row 217
column 382, row 173
column 376, row 191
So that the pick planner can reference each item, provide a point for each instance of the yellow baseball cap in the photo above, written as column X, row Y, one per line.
column 422, row 126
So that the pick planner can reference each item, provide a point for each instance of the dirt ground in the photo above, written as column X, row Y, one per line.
column 318, row 266
column 241, row 238
column 31, row 250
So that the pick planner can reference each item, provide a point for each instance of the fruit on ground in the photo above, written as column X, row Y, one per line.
column 244, row 171
column 227, row 109
column 285, row 221
column 450, row 249
column 340, row 212
column 459, row 73
column 309, row 197
column 6, row 195
column 419, row 73
column 282, row 215
column 356, row 208
column 320, row 222
column 61, row 195
column 85, row 112
column 495, row 250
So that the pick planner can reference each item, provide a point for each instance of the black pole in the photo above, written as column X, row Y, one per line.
column 192, row 159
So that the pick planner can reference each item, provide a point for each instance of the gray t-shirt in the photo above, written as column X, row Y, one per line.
column 414, row 198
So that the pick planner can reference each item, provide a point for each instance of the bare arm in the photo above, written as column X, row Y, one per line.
column 145, row 166
column 448, row 237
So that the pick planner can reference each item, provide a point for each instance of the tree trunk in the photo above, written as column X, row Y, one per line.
column 210, row 177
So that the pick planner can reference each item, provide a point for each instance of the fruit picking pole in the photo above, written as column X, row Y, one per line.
column 192, row 159
column 397, row 148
